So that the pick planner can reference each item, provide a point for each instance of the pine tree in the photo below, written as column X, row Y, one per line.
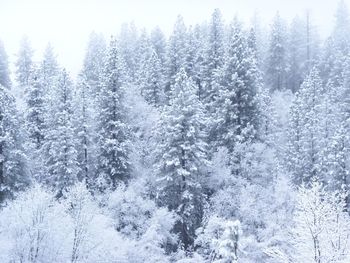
column 84, row 131
column 239, row 80
column 59, row 149
column 127, row 44
column 195, row 53
column 176, row 53
column 182, row 157
column 305, row 133
column 86, row 103
column 151, row 79
column 48, row 74
column 342, row 28
column 296, row 55
column 276, row 61
column 35, row 110
column 159, row 43
column 94, row 61
column 13, row 172
column 4, row 68
column 24, row 63
column 214, row 56
column 113, row 133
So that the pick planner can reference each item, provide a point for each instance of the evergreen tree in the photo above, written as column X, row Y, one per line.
column 214, row 56
column 13, row 172
column 237, row 104
column 151, row 79
column 84, row 131
column 127, row 45
column 342, row 28
column 35, row 110
column 24, row 63
column 176, row 53
column 113, row 133
column 159, row 43
column 296, row 55
column 94, row 61
column 86, row 103
column 195, row 54
column 182, row 157
column 4, row 68
column 276, row 61
column 59, row 149
column 305, row 134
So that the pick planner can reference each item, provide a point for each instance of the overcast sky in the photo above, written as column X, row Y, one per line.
column 67, row 23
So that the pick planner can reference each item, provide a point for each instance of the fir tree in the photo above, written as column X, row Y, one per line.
column 59, row 149
column 239, row 82
column 4, row 68
column 13, row 172
column 113, row 133
column 214, row 56
column 305, row 134
column 176, row 53
column 182, row 156
column 276, row 61
column 24, row 63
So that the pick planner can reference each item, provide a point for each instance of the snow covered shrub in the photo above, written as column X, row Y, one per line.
column 218, row 240
column 35, row 228
column 130, row 210
column 138, row 218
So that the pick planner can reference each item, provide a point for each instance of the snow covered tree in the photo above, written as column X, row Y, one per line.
column 113, row 131
column 181, row 157
column 214, row 56
column 86, row 103
column 276, row 68
column 13, row 172
column 24, row 63
column 342, row 28
column 48, row 75
column 305, row 132
column 219, row 239
column 321, row 227
column 94, row 60
column 83, row 211
column 296, row 55
column 35, row 110
column 4, row 67
column 49, row 67
column 35, row 122
column 159, row 43
column 151, row 79
column 59, row 149
column 85, row 127
column 127, row 44
column 237, row 105
column 176, row 53
column 302, row 48
column 35, row 228
column 195, row 54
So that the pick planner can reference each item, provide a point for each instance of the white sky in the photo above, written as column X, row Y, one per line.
column 67, row 23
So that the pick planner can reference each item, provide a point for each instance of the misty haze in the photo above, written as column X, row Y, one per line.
column 174, row 131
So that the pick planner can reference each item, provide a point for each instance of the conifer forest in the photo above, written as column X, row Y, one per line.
column 223, row 141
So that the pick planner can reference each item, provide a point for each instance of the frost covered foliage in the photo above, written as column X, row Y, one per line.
column 36, row 227
column 198, row 147
column 320, row 230
column 219, row 240
column 138, row 219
